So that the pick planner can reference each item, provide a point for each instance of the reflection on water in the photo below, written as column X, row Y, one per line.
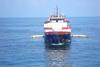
column 57, row 57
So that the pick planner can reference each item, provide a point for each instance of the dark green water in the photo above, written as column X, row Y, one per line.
column 18, row 49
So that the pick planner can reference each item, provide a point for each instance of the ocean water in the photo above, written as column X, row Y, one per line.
column 18, row 49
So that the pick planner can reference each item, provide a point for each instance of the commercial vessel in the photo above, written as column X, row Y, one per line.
column 57, row 30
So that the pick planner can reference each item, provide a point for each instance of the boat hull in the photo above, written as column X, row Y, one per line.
column 57, row 39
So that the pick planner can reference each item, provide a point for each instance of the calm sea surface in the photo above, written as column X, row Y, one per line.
column 18, row 49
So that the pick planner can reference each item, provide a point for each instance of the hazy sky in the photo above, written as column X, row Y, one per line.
column 43, row 8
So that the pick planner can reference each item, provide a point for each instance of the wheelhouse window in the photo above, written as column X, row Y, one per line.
column 56, row 20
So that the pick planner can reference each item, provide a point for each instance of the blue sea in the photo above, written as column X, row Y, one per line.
column 18, row 49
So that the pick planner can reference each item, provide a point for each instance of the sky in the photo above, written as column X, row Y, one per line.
column 43, row 8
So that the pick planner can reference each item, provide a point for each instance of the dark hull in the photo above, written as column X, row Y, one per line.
column 57, row 40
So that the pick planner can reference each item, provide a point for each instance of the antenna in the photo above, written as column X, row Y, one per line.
column 56, row 10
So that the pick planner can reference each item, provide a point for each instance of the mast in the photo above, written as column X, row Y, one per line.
column 56, row 11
